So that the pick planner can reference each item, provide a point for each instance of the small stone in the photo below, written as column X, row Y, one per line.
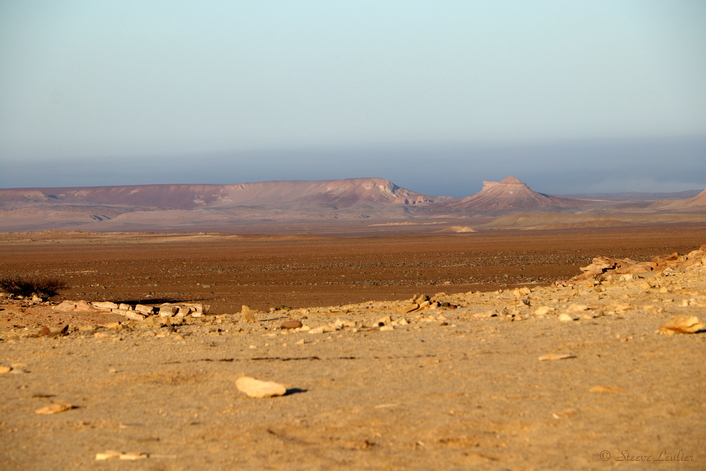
column 623, row 307
column 291, row 325
column 144, row 309
column 124, row 307
column 319, row 330
column 256, row 388
column 578, row 308
column 556, row 356
column 247, row 314
column 5, row 369
column 44, row 331
column 55, row 408
column 543, row 310
column 107, row 455
column 133, row 456
column 65, row 306
column 567, row 318
column 386, row 328
column 565, row 413
column 168, row 311
column 134, row 316
column 110, row 454
column 104, row 305
column 683, row 325
column 606, row 389
column 406, row 309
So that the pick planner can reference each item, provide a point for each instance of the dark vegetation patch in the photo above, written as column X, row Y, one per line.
column 24, row 286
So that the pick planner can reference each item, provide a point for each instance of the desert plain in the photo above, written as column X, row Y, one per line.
column 433, row 351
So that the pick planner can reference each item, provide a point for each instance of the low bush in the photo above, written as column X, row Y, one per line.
column 23, row 286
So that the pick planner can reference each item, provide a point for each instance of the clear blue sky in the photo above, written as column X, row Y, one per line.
column 434, row 95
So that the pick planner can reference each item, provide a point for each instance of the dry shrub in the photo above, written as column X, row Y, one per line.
column 23, row 286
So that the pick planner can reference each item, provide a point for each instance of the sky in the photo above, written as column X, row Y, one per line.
column 437, row 96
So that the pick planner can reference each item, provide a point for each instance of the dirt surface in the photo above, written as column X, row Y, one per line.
column 227, row 271
column 456, row 384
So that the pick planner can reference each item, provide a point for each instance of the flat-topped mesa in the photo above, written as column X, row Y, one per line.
column 505, row 181
column 510, row 195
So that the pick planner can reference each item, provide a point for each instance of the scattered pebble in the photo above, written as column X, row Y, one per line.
column 606, row 389
column 291, row 325
column 556, row 356
column 256, row 388
column 55, row 408
column 247, row 314
column 682, row 325
column 110, row 454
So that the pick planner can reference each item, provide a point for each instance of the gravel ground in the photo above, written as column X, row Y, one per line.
column 447, row 381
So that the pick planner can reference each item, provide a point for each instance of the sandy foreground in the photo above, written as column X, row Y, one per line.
column 556, row 377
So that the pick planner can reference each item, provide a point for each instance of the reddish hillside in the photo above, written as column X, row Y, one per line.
column 697, row 203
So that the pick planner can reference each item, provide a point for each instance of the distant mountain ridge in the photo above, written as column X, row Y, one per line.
column 179, row 206
column 634, row 196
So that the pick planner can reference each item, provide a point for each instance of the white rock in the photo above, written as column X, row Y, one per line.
column 54, row 408
column 256, row 388
column 144, row 309
column 168, row 310
column 556, row 356
column 134, row 316
column 567, row 318
column 320, row 330
column 543, row 310
column 65, row 306
column 104, row 305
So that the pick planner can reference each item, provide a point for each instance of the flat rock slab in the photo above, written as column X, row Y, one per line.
column 256, row 388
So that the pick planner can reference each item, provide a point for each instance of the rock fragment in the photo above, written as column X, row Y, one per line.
column 291, row 325
column 135, row 316
column 143, row 309
column 168, row 310
column 543, row 310
column 556, row 356
column 104, row 305
column 111, row 454
column 606, row 389
column 259, row 389
column 55, row 408
column 247, row 314
column 683, row 325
